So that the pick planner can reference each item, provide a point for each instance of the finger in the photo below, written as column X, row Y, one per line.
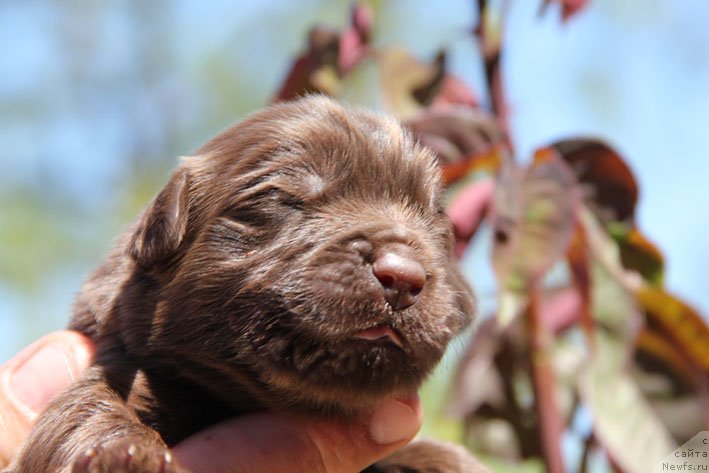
column 271, row 442
column 29, row 380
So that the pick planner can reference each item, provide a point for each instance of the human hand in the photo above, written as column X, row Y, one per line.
column 254, row 443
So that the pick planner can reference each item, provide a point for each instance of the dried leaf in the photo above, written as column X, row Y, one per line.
column 427, row 92
column 407, row 85
column 492, row 391
column 608, row 185
column 459, row 135
column 670, row 369
column 533, row 220
column 488, row 163
column 655, row 352
column 678, row 323
column 672, row 384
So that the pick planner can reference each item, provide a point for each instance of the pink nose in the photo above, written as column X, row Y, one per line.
column 402, row 277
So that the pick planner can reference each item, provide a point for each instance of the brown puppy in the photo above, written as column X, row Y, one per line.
column 302, row 260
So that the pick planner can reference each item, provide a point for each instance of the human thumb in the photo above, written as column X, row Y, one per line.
column 30, row 379
column 276, row 442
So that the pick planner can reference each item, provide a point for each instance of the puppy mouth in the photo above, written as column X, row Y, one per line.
column 380, row 333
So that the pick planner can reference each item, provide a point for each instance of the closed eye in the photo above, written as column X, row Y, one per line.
column 289, row 199
column 264, row 206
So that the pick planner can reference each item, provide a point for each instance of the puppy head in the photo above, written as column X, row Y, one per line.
column 305, row 252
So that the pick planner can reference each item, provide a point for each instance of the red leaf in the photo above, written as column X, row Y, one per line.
column 323, row 46
column 467, row 211
column 329, row 57
column 560, row 310
column 608, row 183
column 544, row 380
column 354, row 40
column 578, row 258
column 569, row 8
column 455, row 133
column 454, row 91
column 572, row 7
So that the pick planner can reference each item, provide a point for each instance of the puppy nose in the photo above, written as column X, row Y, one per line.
column 402, row 277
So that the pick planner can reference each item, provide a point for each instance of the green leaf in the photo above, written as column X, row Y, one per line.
column 625, row 425
column 638, row 253
column 534, row 213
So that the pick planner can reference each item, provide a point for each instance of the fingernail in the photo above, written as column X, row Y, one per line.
column 44, row 373
column 395, row 420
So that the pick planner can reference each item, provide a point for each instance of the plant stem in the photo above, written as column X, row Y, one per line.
column 588, row 445
column 490, row 35
column 579, row 261
column 550, row 421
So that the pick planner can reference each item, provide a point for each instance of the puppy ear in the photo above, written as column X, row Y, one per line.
column 163, row 224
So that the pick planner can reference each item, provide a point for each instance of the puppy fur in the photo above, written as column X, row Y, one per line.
column 242, row 287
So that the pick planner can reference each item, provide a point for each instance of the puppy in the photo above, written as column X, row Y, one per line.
column 301, row 260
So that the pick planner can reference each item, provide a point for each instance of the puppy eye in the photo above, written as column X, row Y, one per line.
column 288, row 199
column 265, row 207
column 275, row 196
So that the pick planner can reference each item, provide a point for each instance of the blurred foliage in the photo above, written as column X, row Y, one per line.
column 606, row 343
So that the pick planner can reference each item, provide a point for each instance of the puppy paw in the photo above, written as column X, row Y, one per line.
column 429, row 456
column 127, row 457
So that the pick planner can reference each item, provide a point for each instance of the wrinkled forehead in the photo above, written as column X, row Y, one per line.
column 323, row 146
column 357, row 148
